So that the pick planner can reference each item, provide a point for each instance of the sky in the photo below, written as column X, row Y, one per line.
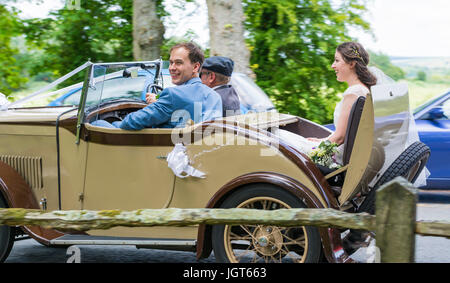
column 405, row 28
column 408, row 27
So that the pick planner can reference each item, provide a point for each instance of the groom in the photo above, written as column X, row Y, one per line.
column 190, row 99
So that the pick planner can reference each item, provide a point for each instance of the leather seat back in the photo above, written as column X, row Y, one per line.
column 352, row 127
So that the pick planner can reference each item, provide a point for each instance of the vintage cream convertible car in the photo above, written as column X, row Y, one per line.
column 52, row 158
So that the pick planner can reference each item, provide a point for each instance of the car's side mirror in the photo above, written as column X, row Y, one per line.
column 436, row 113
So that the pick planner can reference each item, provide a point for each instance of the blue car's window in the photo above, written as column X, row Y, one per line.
column 114, row 88
column 425, row 105
column 446, row 107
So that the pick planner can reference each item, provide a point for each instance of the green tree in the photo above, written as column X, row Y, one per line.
column 148, row 29
column 293, row 43
column 383, row 62
column 422, row 76
column 226, row 33
column 100, row 31
column 10, row 74
column 189, row 36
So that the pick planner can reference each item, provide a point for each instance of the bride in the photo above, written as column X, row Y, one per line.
column 350, row 64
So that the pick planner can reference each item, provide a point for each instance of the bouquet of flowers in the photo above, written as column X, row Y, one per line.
column 324, row 154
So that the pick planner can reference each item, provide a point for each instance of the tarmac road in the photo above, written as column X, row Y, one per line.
column 428, row 249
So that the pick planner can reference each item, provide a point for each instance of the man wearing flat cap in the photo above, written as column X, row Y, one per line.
column 216, row 73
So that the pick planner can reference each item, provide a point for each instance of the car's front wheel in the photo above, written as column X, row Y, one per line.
column 264, row 243
column 6, row 236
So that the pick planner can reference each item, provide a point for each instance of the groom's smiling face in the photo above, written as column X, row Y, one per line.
column 181, row 68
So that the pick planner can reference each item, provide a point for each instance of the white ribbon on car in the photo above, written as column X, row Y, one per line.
column 178, row 161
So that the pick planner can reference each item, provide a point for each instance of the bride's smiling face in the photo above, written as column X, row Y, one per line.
column 343, row 69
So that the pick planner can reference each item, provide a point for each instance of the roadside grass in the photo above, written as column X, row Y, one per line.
column 420, row 92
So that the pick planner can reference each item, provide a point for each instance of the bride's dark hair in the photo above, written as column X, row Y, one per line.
column 354, row 51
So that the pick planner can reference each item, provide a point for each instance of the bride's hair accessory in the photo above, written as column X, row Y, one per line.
column 356, row 53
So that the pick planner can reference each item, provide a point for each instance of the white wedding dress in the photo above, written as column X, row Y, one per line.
column 306, row 146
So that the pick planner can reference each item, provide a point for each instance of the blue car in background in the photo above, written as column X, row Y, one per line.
column 118, row 85
column 433, row 124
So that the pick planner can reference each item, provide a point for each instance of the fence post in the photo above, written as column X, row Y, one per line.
column 395, row 221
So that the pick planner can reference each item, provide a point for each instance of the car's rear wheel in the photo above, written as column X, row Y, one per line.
column 264, row 243
column 7, row 234
column 408, row 165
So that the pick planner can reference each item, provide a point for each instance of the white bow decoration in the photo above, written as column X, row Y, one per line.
column 178, row 161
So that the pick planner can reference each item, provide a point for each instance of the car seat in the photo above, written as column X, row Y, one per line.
column 335, row 177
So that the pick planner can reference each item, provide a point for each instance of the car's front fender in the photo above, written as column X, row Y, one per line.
column 18, row 194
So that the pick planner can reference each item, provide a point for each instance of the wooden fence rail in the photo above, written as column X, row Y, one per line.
column 86, row 220
column 394, row 223
column 83, row 220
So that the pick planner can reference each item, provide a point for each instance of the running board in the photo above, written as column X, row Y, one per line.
column 175, row 244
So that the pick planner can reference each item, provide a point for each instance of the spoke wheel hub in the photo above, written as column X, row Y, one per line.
column 268, row 240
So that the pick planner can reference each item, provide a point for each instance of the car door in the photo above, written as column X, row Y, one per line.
column 435, row 132
column 127, row 170
column 124, row 170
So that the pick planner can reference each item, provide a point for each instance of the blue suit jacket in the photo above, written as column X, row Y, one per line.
column 175, row 106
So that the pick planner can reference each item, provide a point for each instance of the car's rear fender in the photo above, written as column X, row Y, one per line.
column 304, row 164
column 331, row 241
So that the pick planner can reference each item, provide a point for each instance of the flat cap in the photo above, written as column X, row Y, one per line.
column 219, row 64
